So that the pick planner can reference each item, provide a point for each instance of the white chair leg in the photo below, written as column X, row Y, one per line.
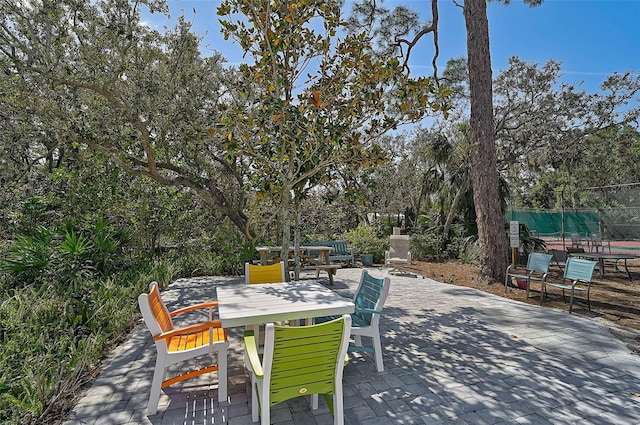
column 377, row 347
column 358, row 340
column 265, row 412
column 314, row 401
column 222, row 373
column 254, row 399
column 156, row 384
column 338, row 406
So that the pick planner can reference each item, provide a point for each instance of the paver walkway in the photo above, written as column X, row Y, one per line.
column 453, row 355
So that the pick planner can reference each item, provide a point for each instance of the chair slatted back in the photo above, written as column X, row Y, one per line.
column 272, row 273
column 340, row 247
column 154, row 311
column 371, row 294
column 579, row 269
column 539, row 262
column 305, row 359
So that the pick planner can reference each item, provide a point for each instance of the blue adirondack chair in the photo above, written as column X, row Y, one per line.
column 369, row 300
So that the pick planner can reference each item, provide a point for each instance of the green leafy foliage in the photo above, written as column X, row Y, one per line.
column 67, row 255
column 426, row 245
column 365, row 240
column 302, row 126
column 51, row 341
column 28, row 256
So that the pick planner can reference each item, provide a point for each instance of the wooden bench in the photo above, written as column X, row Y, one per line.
column 340, row 252
column 329, row 268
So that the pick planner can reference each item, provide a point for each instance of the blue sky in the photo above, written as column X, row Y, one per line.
column 591, row 38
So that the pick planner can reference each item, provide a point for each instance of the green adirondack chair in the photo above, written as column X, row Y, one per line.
column 298, row 361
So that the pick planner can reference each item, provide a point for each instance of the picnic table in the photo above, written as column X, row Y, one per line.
column 320, row 263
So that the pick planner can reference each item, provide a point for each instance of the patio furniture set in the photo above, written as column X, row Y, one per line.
column 577, row 268
column 289, row 361
column 308, row 328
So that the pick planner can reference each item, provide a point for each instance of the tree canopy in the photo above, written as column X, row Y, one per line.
column 99, row 80
column 314, row 103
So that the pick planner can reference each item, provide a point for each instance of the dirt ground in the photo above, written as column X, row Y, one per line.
column 615, row 301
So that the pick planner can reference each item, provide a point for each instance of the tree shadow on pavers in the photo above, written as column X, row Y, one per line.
column 623, row 312
column 189, row 291
column 191, row 405
column 457, row 364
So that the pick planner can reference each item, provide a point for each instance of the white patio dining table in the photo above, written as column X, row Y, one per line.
column 245, row 305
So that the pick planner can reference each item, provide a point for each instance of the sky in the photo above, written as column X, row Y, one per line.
column 591, row 38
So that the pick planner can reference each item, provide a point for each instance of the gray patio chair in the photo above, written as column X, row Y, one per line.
column 576, row 241
column 597, row 243
column 558, row 258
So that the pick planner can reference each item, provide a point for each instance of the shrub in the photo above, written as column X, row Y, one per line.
column 67, row 255
column 28, row 256
column 469, row 252
column 365, row 240
column 51, row 341
column 425, row 246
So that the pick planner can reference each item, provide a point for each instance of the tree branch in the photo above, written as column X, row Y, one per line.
column 433, row 28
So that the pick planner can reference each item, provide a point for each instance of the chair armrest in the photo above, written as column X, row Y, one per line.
column 188, row 330
column 251, row 352
column 209, row 304
column 580, row 281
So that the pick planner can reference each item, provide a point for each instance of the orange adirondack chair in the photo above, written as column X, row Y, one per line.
column 175, row 345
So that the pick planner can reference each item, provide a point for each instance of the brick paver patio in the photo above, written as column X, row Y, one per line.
column 453, row 355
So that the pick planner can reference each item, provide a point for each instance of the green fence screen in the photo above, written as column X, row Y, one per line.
column 548, row 223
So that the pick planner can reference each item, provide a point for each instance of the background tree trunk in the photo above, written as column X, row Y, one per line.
column 491, row 234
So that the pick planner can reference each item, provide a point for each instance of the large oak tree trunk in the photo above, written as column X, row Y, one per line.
column 491, row 235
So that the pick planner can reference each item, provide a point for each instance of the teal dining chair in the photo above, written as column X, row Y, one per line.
column 369, row 301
